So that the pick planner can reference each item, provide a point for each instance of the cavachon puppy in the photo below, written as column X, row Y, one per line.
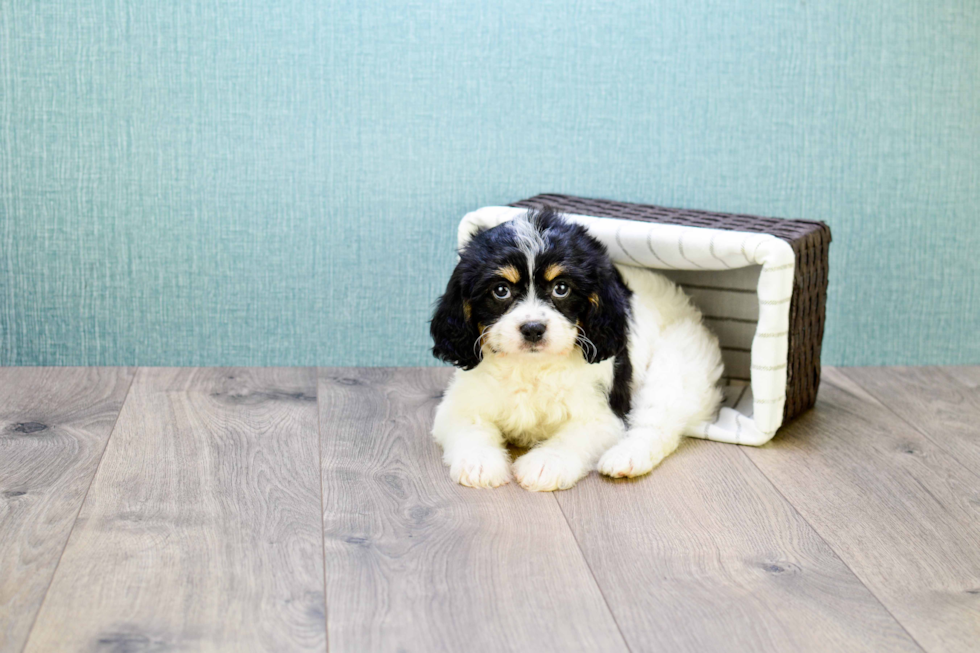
column 588, row 364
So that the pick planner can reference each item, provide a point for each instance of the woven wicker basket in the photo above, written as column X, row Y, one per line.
column 810, row 241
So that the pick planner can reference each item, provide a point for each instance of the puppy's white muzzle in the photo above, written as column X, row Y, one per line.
column 532, row 327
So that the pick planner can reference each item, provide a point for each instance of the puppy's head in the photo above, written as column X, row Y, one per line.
column 537, row 285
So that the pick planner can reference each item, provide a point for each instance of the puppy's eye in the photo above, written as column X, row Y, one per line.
column 561, row 290
column 501, row 291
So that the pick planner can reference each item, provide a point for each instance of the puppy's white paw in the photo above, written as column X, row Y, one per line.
column 631, row 458
column 545, row 470
column 480, row 467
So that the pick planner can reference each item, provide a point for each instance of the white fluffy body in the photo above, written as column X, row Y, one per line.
column 554, row 402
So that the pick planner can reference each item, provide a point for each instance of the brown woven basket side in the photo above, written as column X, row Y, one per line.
column 810, row 241
column 807, row 314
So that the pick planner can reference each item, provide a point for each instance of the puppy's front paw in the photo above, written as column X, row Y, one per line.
column 544, row 470
column 479, row 467
column 629, row 459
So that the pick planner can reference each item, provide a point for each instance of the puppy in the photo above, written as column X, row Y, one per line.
column 564, row 353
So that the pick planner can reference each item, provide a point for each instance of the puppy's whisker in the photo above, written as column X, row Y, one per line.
column 593, row 351
column 478, row 343
column 588, row 347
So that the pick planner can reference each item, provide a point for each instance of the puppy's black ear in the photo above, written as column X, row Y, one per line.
column 453, row 332
column 606, row 322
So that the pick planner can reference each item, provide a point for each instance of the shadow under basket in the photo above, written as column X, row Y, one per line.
column 761, row 284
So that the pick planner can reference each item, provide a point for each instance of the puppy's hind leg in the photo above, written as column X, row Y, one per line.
column 680, row 389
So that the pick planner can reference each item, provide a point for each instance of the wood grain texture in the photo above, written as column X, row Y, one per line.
column 967, row 375
column 932, row 401
column 415, row 562
column 201, row 530
column 705, row 555
column 54, row 425
column 900, row 511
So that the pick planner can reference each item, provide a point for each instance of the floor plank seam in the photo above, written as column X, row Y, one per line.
column 832, row 549
column 30, row 631
column 612, row 615
column 323, row 543
column 914, row 427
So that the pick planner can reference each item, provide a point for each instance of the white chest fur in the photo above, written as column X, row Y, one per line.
column 529, row 397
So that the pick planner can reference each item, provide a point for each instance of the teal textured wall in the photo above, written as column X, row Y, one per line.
column 279, row 182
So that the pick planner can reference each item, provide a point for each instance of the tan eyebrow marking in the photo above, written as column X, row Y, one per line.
column 467, row 310
column 510, row 273
column 553, row 271
column 594, row 299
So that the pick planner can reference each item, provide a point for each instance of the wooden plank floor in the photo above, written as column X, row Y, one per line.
column 414, row 561
column 54, row 425
column 296, row 509
column 201, row 530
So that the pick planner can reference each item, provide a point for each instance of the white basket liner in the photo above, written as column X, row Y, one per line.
column 754, row 417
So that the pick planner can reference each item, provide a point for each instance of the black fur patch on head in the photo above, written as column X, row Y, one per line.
column 467, row 307
column 598, row 301
column 454, row 333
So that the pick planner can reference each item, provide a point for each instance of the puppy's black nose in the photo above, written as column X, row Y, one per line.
column 533, row 331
